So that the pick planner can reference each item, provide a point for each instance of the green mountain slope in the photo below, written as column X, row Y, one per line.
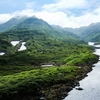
column 12, row 22
column 34, row 26
column 22, row 76
column 45, row 44
column 39, row 34
column 4, row 45
column 87, row 33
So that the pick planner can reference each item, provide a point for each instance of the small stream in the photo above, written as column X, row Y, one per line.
column 90, row 85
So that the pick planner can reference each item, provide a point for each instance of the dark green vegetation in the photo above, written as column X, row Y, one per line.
column 4, row 45
column 87, row 33
column 44, row 43
column 21, row 72
column 72, row 55
column 32, row 83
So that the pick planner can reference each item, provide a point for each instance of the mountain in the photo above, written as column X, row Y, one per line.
column 22, row 76
column 87, row 33
column 34, row 27
column 44, row 43
column 4, row 45
column 12, row 22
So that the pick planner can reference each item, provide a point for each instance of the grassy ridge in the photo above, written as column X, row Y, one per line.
column 62, row 54
column 27, row 60
column 32, row 82
column 29, row 82
column 45, row 45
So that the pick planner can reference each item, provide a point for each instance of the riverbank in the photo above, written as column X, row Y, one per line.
column 51, row 83
column 60, row 91
column 90, row 85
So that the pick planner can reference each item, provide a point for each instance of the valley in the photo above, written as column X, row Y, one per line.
column 22, row 75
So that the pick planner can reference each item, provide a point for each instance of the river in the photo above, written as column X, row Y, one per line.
column 90, row 85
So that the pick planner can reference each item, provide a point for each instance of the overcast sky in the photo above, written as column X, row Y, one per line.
column 66, row 13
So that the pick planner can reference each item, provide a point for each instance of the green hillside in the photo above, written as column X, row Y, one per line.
column 87, row 33
column 11, row 23
column 37, row 27
column 45, row 44
column 4, row 45
column 22, row 76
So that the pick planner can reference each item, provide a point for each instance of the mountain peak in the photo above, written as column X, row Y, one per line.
column 24, row 16
column 19, row 17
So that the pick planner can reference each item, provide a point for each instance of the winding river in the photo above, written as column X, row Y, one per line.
column 90, row 85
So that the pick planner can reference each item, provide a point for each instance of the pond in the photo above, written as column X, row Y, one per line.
column 14, row 43
column 23, row 47
column 2, row 53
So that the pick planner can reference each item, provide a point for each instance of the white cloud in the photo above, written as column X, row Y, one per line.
column 27, row 12
column 66, row 4
column 30, row 5
column 86, row 19
column 58, row 16
column 4, row 17
column 62, row 19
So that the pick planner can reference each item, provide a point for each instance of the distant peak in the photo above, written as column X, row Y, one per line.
column 33, row 16
column 19, row 17
column 23, row 16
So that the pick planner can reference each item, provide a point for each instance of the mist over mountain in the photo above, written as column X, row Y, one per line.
column 24, row 27
column 33, row 25
column 22, row 23
column 12, row 22
column 44, row 42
